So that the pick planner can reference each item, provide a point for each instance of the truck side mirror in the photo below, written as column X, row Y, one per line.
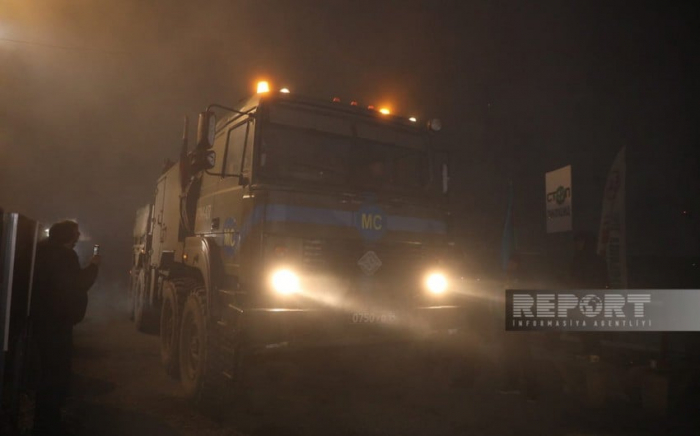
column 206, row 129
column 209, row 160
column 203, row 160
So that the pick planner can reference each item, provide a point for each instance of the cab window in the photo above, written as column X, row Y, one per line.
column 239, row 141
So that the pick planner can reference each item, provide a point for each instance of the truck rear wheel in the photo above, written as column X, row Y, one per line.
column 207, row 360
column 174, row 292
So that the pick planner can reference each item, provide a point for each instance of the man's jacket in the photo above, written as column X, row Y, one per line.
column 59, row 296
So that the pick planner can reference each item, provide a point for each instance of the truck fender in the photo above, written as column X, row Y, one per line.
column 202, row 254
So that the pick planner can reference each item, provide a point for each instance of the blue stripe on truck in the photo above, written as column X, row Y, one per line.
column 332, row 217
column 342, row 218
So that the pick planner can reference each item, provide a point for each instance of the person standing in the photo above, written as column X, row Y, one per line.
column 59, row 302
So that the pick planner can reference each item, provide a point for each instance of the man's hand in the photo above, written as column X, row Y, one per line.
column 96, row 260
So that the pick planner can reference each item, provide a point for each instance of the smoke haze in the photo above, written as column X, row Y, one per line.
column 93, row 95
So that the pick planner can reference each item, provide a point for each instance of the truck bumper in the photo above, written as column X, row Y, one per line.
column 275, row 330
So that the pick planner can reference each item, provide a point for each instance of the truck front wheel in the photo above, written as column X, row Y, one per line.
column 207, row 360
column 170, row 316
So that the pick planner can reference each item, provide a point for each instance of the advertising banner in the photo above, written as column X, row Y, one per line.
column 508, row 242
column 558, row 200
column 611, row 236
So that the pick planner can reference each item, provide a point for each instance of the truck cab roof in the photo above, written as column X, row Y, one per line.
column 251, row 103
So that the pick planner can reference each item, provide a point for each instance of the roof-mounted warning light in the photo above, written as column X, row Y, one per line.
column 263, row 87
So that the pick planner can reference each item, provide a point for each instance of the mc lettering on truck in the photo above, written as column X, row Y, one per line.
column 371, row 222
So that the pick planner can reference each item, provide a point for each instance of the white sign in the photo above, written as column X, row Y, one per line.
column 558, row 199
column 369, row 263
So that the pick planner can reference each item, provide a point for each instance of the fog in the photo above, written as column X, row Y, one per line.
column 93, row 95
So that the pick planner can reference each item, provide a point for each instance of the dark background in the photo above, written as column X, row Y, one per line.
column 92, row 96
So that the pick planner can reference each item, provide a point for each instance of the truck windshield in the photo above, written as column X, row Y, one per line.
column 343, row 151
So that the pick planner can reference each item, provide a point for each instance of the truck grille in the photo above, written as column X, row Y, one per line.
column 342, row 256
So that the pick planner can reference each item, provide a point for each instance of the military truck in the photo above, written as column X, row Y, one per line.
column 295, row 223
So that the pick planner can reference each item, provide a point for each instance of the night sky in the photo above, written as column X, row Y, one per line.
column 92, row 96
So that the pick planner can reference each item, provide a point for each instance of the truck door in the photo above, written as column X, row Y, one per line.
column 232, row 205
column 167, row 210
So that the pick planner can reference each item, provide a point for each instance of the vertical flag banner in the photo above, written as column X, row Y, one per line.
column 508, row 244
column 558, row 199
column 611, row 237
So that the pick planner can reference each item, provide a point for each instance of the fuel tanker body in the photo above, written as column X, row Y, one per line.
column 295, row 223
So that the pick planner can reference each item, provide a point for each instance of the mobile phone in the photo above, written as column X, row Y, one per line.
column 96, row 250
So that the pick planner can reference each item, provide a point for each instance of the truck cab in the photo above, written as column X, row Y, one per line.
column 298, row 223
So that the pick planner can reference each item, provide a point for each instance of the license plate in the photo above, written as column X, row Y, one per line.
column 375, row 317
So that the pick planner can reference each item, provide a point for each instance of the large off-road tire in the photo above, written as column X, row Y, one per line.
column 174, row 293
column 145, row 319
column 207, row 359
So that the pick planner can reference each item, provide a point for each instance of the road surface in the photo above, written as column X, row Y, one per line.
column 121, row 389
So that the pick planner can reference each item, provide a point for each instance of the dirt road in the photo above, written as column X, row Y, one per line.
column 121, row 389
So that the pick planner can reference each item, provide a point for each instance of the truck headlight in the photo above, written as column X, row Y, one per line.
column 436, row 283
column 285, row 281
